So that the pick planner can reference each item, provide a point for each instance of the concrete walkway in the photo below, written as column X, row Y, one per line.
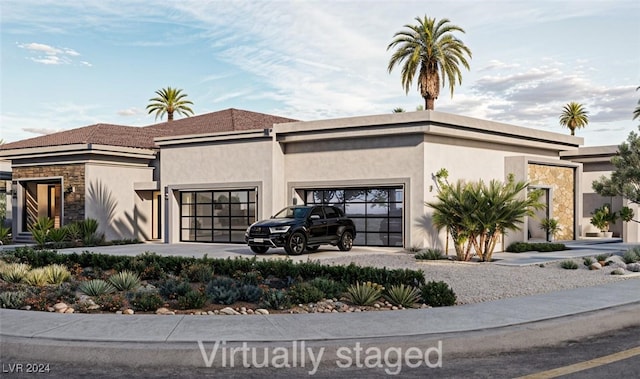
column 174, row 340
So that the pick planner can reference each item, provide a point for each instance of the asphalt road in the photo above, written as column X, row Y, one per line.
column 619, row 352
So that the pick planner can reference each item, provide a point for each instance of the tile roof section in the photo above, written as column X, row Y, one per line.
column 142, row 137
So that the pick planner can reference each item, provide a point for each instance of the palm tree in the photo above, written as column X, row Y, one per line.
column 169, row 100
column 432, row 47
column 574, row 116
column 636, row 112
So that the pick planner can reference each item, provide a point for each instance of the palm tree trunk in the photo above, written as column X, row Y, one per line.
column 169, row 116
column 429, row 102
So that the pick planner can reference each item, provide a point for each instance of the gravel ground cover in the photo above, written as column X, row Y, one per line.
column 478, row 282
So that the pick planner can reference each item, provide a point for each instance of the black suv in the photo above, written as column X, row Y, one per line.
column 300, row 228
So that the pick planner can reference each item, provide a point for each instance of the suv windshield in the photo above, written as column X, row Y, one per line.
column 292, row 212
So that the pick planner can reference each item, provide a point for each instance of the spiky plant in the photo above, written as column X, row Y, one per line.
column 12, row 300
column 125, row 280
column 430, row 254
column 366, row 293
column 14, row 272
column 588, row 261
column 36, row 277
column 401, row 295
column 96, row 287
column 569, row 265
column 57, row 273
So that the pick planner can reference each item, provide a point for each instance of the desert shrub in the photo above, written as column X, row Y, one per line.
column 36, row 277
column 431, row 254
column 631, row 255
column 366, row 293
column 57, row 237
column 304, row 293
column 172, row 288
column 437, row 294
column 40, row 230
column 57, row 273
column 12, row 299
column 96, row 287
column 14, row 272
column 74, row 232
column 602, row 257
column 588, row 261
column 332, row 289
column 125, row 280
column 252, row 277
column 223, row 290
column 520, row 247
column 145, row 301
column 401, row 295
column 192, row 300
column 250, row 293
column 413, row 249
column 5, row 234
column 569, row 265
column 198, row 272
column 111, row 302
column 275, row 299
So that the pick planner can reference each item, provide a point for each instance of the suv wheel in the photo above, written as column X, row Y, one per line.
column 346, row 241
column 259, row 249
column 296, row 244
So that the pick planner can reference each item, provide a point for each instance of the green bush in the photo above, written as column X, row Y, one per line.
column 96, row 287
column 111, row 302
column 631, row 255
column 12, row 300
column 569, row 265
column 305, row 293
column 401, row 295
column 223, row 290
column 252, row 277
column 431, row 254
column 125, row 280
column 192, row 300
column 5, row 234
column 198, row 272
column 437, row 294
column 520, row 247
column 250, row 293
column 275, row 299
column 172, row 289
column 332, row 289
column 366, row 293
column 145, row 301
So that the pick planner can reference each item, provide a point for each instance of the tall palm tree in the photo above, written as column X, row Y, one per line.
column 574, row 116
column 170, row 100
column 432, row 47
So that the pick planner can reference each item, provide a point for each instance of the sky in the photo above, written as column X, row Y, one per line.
column 66, row 64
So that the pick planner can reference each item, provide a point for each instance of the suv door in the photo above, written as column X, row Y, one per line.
column 317, row 226
column 333, row 219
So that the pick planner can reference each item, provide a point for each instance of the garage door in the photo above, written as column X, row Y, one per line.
column 216, row 216
column 376, row 211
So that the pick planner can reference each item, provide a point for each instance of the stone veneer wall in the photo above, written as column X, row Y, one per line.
column 562, row 181
column 72, row 175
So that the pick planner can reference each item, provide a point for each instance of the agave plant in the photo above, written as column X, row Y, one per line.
column 36, row 277
column 96, row 287
column 401, row 295
column 57, row 274
column 366, row 293
column 14, row 272
column 12, row 300
column 125, row 280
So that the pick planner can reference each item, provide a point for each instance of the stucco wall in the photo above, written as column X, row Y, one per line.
column 112, row 200
column 561, row 181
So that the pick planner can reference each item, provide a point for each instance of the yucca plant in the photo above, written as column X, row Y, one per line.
column 96, row 287
column 366, row 293
column 401, row 295
column 14, row 272
column 12, row 300
column 125, row 280
column 587, row 261
column 57, row 274
column 569, row 265
column 36, row 277
column 88, row 227
column 74, row 232
column 430, row 254
column 40, row 230
column 57, row 236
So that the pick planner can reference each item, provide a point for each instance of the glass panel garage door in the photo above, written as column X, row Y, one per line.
column 216, row 216
column 376, row 211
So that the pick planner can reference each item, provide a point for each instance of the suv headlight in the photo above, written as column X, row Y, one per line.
column 279, row 229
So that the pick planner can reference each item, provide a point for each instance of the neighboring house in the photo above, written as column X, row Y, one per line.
column 206, row 178
column 5, row 193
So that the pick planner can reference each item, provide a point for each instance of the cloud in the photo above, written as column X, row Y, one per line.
column 41, row 131
column 50, row 55
column 130, row 112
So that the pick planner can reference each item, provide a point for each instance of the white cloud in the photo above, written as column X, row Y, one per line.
column 130, row 112
column 41, row 131
column 52, row 55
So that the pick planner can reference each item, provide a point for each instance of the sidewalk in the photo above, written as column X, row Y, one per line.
column 173, row 340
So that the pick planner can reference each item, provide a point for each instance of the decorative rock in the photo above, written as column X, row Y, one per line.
column 26, row 308
column 50, row 309
column 128, row 311
column 118, row 312
column 69, row 310
column 93, row 307
column 615, row 261
column 162, row 311
column 376, row 305
column 170, row 313
column 595, row 266
column 250, row 311
column 243, row 309
column 229, row 311
column 618, row 271
column 635, row 267
column 262, row 311
column 60, row 307
column 394, row 308
column 210, row 313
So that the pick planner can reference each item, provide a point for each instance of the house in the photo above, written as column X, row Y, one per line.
column 207, row 178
